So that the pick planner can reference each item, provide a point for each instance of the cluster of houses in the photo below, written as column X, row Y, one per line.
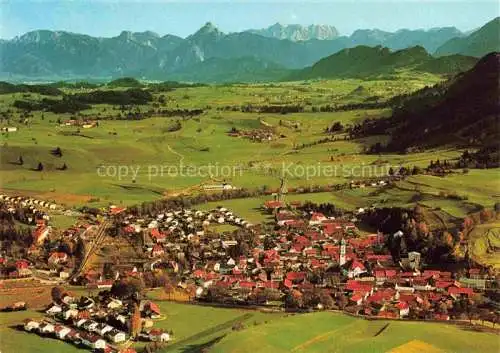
column 314, row 253
column 45, row 249
column 14, row 268
column 86, row 124
column 32, row 209
column 169, row 230
column 255, row 135
column 96, row 323
column 28, row 201
column 302, row 253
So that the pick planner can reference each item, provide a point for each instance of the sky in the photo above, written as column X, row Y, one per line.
column 107, row 18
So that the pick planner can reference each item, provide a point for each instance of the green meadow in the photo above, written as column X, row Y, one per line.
column 197, row 327
column 131, row 161
column 330, row 332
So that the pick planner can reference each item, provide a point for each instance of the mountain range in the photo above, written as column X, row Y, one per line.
column 296, row 32
column 209, row 55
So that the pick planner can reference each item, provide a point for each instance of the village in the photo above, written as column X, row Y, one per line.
column 302, row 260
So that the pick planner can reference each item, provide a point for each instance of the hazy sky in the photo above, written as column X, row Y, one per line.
column 110, row 17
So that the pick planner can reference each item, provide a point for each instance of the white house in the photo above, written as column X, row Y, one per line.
column 102, row 329
column 46, row 328
column 54, row 309
column 401, row 288
column 80, row 322
column 70, row 313
column 61, row 331
column 356, row 269
column 317, row 218
column 30, row 325
column 116, row 336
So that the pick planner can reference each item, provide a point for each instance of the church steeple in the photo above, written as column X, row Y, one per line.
column 342, row 252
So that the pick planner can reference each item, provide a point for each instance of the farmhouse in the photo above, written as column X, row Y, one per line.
column 57, row 258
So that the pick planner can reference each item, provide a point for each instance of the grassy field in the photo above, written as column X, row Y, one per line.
column 14, row 340
column 197, row 327
column 328, row 332
column 484, row 240
column 121, row 161
column 194, row 326
column 130, row 161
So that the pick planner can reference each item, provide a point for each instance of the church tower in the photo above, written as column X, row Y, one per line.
column 342, row 252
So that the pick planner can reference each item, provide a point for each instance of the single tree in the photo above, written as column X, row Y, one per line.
column 57, row 293
column 21, row 161
column 135, row 322
column 39, row 167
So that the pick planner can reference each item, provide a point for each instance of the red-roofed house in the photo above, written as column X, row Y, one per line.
column 247, row 284
column 158, row 236
column 357, row 298
column 57, row 258
column 151, row 309
column 311, row 252
column 391, row 274
column 272, row 205
column 296, row 276
column 443, row 284
column 454, row 291
column 355, row 269
column 157, row 335
column 317, row 218
column 404, row 308
column 330, row 228
column 114, row 210
column 475, row 273
column 22, row 268
column 157, row 251
column 358, row 286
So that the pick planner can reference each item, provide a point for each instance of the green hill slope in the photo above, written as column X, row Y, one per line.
column 363, row 61
column 481, row 42
column 464, row 110
column 329, row 332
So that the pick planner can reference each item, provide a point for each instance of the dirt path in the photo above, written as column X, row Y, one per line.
column 181, row 156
